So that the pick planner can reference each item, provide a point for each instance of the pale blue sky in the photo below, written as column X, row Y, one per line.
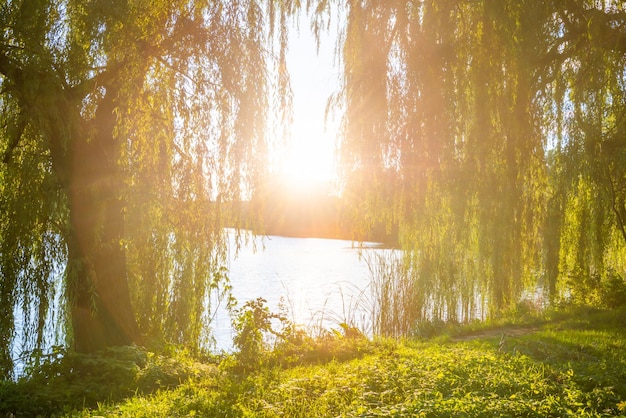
column 311, row 146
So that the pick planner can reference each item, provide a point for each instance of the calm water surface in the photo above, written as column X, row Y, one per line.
column 322, row 282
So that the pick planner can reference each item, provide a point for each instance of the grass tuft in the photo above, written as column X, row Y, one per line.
column 564, row 364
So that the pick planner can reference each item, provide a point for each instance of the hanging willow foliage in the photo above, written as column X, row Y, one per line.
column 126, row 126
column 492, row 132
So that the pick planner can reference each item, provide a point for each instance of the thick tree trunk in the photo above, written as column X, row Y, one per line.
column 101, row 311
column 86, row 164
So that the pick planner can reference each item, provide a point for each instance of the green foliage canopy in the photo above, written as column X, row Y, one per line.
column 125, row 125
column 493, row 133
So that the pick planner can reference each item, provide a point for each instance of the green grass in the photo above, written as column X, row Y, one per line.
column 565, row 365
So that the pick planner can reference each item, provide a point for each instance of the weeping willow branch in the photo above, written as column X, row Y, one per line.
column 620, row 212
column 15, row 139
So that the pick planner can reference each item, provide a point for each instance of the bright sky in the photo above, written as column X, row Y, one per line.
column 309, row 157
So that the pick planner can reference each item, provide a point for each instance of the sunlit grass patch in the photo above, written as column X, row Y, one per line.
column 561, row 368
column 469, row 378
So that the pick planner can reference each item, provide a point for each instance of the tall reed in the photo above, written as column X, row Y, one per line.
column 395, row 302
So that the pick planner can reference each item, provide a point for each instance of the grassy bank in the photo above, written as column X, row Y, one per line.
column 570, row 364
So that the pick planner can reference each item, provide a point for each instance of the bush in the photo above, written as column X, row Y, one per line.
column 65, row 380
column 613, row 290
column 267, row 339
column 256, row 327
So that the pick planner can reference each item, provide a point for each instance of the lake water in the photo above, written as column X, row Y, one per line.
column 322, row 282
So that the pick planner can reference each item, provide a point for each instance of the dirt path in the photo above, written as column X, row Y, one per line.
column 509, row 331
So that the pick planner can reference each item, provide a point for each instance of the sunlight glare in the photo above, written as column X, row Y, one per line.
column 309, row 157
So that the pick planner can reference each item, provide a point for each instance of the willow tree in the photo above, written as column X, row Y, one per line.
column 472, row 124
column 588, row 168
column 125, row 127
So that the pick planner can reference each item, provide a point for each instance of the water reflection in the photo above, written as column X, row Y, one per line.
column 322, row 282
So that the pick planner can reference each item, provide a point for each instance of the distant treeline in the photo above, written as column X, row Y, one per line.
column 308, row 212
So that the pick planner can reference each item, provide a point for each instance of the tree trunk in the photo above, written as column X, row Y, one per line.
column 101, row 311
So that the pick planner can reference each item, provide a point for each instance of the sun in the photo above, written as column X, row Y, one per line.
column 306, row 157
column 309, row 157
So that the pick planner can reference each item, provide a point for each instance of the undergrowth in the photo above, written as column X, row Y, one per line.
column 568, row 364
column 65, row 380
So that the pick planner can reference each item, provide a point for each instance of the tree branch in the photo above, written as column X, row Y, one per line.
column 103, row 78
column 619, row 214
column 8, row 68
column 600, row 28
column 14, row 140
